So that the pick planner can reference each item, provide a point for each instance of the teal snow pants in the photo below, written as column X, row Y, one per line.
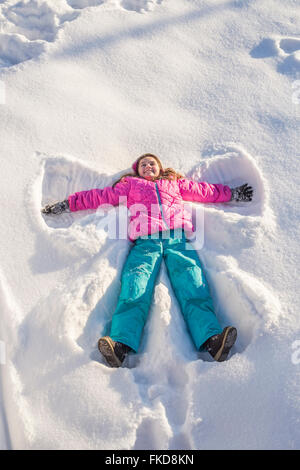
column 187, row 279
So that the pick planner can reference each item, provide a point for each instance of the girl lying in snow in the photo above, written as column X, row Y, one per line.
column 158, row 225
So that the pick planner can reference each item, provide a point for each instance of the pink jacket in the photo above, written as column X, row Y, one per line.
column 153, row 205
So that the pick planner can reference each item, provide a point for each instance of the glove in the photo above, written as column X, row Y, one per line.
column 242, row 193
column 56, row 208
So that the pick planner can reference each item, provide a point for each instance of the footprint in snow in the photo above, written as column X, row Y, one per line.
column 285, row 49
column 32, row 20
column 28, row 26
column 139, row 5
column 26, row 29
column 15, row 48
column 80, row 4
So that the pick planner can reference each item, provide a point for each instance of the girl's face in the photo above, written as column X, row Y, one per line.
column 148, row 168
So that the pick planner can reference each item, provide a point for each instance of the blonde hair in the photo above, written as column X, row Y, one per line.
column 164, row 173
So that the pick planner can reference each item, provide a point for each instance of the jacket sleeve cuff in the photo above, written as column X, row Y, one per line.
column 72, row 204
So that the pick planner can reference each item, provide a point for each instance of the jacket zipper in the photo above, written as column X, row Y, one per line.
column 160, row 205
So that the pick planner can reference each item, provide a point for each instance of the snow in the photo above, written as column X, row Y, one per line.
column 86, row 86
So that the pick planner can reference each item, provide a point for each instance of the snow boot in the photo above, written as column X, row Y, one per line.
column 219, row 345
column 113, row 351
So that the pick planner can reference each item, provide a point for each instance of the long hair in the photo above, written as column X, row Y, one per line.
column 164, row 173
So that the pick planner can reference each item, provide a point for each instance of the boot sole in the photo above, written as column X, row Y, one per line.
column 229, row 339
column 106, row 347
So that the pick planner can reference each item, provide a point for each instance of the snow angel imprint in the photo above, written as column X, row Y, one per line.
column 159, row 233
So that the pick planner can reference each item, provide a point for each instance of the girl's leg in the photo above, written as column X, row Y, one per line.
column 138, row 280
column 191, row 289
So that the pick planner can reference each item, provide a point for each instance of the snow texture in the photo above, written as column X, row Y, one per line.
column 212, row 88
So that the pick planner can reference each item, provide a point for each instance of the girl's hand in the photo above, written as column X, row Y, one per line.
column 242, row 193
column 56, row 208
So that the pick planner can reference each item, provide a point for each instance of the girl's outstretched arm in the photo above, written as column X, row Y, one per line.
column 207, row 192
column 90, row 199
column 97, row 197
column 204, row 192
